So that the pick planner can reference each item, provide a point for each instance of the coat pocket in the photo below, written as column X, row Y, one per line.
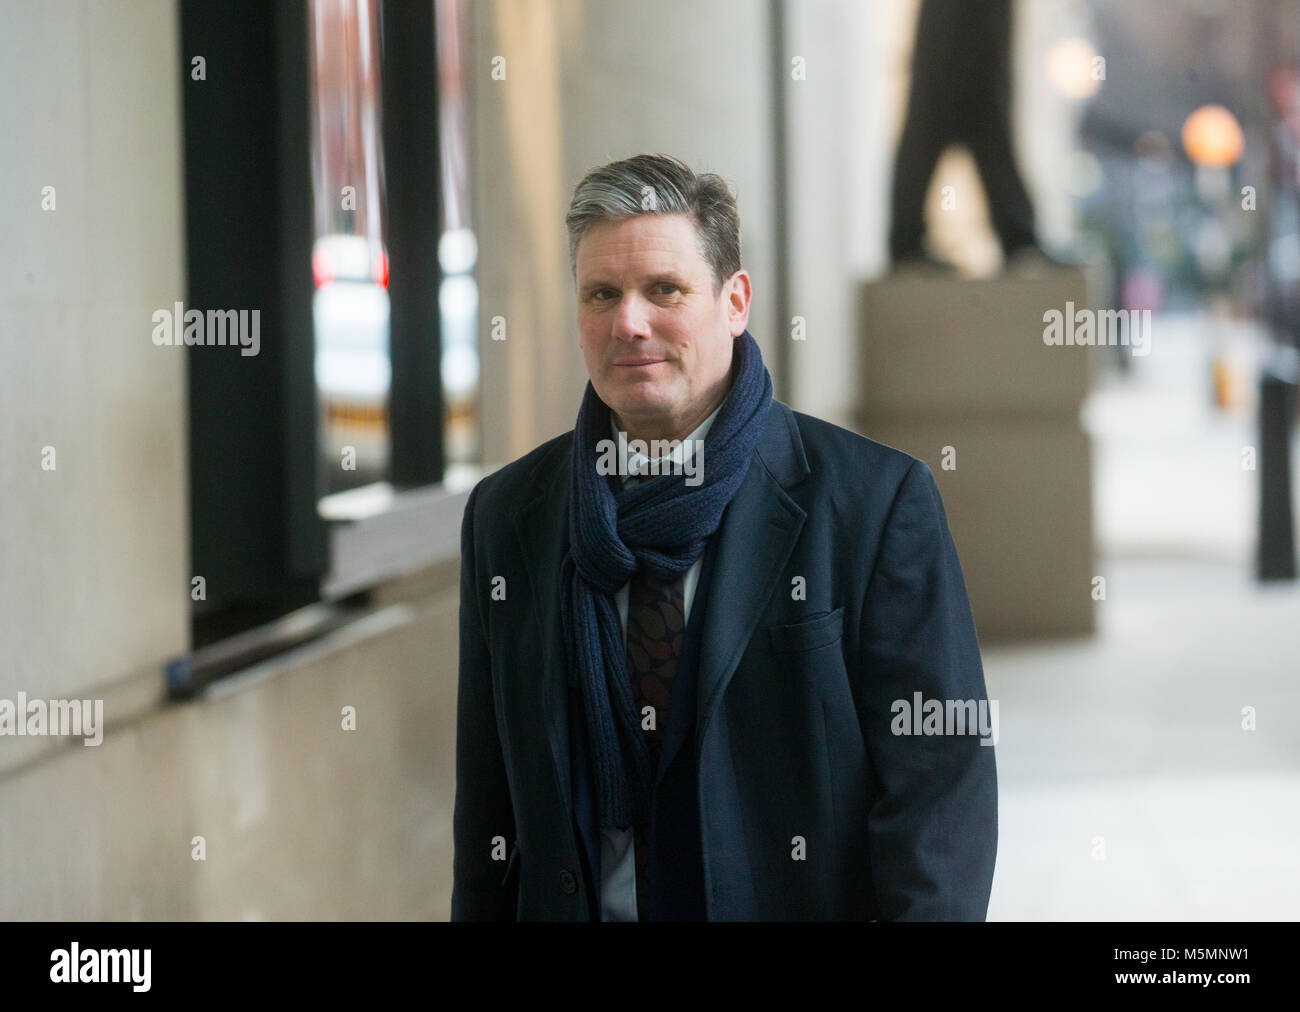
column 811, row 633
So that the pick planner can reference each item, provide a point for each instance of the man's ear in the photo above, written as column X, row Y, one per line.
column 738, row 292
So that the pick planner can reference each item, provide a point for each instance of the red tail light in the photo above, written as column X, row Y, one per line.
column 320, row 268
column 381, row 269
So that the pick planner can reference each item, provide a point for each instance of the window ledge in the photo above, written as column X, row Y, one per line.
column 378, row 533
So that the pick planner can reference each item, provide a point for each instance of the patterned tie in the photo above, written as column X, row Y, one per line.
column 656, row 625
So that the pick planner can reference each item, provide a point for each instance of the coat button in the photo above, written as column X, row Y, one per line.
column 567, row 882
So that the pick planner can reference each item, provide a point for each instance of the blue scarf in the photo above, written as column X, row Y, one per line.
column 660, row 525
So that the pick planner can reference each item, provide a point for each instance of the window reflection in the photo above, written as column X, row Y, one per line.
column 349, row 258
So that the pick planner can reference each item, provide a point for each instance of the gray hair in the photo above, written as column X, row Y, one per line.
column 660, row 184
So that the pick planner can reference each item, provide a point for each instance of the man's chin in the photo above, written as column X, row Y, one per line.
column 635, row 410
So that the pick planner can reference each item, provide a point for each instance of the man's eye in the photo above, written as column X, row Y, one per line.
column 668, row 285
column 597, row 295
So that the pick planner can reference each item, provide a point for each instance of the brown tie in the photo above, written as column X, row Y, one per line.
column 656, row 625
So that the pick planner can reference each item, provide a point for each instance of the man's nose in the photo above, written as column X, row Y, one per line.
column 632, row 319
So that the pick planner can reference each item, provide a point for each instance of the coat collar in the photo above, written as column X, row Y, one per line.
column 761, row 512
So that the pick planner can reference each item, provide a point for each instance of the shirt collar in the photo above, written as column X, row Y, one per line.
column 632, row 463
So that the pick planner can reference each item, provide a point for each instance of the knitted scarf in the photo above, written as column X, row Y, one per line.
column 660, row 525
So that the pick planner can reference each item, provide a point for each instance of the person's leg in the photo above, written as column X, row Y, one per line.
column 986, row 123
column 919, row 148
column 928, row 127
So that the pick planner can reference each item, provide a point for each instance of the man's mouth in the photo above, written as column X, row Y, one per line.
column 640, row 362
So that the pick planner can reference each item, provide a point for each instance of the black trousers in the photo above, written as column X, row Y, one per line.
column 960, row 93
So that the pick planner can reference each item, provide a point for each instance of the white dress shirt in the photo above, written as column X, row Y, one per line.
column 617, row 847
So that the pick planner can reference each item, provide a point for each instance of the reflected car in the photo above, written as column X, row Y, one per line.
column 353, row 368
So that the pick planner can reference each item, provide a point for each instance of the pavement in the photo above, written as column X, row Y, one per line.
column 1152, row 772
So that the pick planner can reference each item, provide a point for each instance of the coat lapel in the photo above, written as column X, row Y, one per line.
column 758, row 532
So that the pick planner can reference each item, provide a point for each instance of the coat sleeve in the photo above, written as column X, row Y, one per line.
column 932, row 824
column 482, row 889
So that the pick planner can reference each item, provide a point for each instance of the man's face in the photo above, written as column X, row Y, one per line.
column 656, row 338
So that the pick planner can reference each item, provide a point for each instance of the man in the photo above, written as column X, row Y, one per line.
column 680, row 695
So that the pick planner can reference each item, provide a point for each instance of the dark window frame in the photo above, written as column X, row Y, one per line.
column 257, row 536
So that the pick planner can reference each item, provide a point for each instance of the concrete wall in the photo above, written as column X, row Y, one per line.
column 94, row 551
column 839, row 162
column 300, row 819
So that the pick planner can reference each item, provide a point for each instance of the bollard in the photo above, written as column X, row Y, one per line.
column 1276, row 559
